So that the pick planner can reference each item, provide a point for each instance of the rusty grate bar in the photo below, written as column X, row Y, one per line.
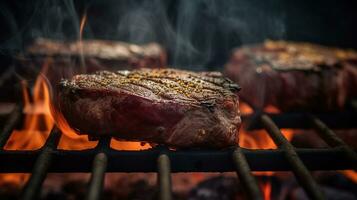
column 301, row 172
column 331, row 138
column 11, row 122
column 164, row 177
column 245, row 175
column 39, row 171
column 99, row 168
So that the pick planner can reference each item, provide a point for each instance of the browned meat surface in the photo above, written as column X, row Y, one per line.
column 294, row 76
column 99, row 54
column 181, row 109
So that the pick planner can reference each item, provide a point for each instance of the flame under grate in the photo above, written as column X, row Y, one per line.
column 103, row 158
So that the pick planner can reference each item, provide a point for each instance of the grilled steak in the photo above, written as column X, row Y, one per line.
column 181, row 109
column 294, row 76
column 99, row 54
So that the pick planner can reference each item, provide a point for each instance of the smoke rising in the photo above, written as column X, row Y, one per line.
column 197, row 34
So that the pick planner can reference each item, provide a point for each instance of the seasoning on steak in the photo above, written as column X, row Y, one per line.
column 294, row 76
column 178, row 108
column 100, row 53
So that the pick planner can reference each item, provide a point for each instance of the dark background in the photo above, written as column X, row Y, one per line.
column 198, row 34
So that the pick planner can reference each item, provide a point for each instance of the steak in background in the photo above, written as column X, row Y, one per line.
column 294, row 76
column 97, row 54
column 178, row 108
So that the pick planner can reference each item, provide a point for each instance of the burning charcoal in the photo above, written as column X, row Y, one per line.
column 294, row 76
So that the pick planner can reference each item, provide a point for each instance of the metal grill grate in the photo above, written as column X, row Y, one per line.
column 102, row 158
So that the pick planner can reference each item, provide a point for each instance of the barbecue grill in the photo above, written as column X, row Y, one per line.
column 102, row 158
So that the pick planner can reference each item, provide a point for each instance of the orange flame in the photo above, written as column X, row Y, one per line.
column 259, row 139
column 350, row 174
column 266, row 188
column 38, row 123
column 81, row 26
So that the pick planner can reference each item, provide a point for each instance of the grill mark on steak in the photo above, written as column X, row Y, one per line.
column 214, row 87
column 163, row 81
column 113, row 103
column 186, row 86
column 175, row 88
column 165, row 92
column 231, row 85
column 168, row 89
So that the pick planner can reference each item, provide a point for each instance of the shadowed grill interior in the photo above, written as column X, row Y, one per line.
column 102, row 158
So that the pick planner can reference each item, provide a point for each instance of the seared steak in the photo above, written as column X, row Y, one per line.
column 294, row 76
column 99, row 54
column 181, row 109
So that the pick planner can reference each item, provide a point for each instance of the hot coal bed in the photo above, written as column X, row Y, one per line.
column 103, row 159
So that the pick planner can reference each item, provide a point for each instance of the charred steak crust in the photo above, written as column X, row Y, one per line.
column 178, row 108
column 294, row 75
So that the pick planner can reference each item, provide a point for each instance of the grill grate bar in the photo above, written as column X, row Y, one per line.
column 12, row 121
column 301, row 172
column 245, row 175
column 98, row 175
column 39, row 171
column 331, row 138
column 14, row 161
column 164, row 177
column 99, row 168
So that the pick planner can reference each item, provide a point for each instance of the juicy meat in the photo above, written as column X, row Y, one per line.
column 99, row 54
column 294, row 76
column 181, row 109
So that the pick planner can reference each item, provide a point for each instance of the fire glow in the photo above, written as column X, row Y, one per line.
column 259, row 139
column 41, row 117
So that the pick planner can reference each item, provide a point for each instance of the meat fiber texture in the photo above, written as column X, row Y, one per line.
column 98, row 54
column 294, row 76
column 180, row 109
